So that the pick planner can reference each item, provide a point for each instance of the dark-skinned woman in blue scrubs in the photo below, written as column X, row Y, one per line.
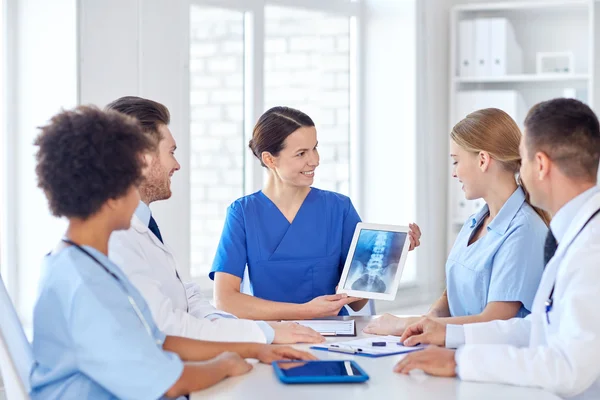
column 292, row 238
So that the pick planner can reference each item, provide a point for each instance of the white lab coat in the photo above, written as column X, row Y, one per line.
column 564, row 356
column 151, row 266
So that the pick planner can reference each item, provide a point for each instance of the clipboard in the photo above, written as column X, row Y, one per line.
column 331, row 327
column 364, row 347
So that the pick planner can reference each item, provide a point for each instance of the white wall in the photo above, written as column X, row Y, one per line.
column 433, row 134
column 395, row 106
column 57, row 67
column 4, row 271
column 3, row 150
column 389, row 101
column 44, row 80
column 130, row 47
column 387, row 132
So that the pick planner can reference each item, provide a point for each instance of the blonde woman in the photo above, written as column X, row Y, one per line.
column 496, row 263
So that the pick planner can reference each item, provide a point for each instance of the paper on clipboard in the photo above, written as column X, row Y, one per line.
column 331, row 327
column 365, row 346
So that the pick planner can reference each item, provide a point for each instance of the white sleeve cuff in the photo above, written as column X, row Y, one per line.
column 267, row 330
column 455, row 336
column 217, row 315
column 456, row 357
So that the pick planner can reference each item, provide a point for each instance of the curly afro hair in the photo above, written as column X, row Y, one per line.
column 87, row 156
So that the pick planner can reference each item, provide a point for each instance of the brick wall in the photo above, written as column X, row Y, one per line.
column 306, row 67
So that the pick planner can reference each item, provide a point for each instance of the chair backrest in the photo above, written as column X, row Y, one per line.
column 16, row 354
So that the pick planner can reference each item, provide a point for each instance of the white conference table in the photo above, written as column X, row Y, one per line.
column 261, row 383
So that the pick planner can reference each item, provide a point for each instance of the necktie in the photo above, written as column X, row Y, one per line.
column 549, row 247
column 154, row 228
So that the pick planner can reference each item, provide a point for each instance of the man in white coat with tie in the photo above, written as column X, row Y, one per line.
column 141, row 252
column 557, row 347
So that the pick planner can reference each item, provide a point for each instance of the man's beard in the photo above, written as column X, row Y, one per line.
column 156, row 186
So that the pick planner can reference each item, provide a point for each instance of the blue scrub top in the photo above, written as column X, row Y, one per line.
column 88, row 342
column 506, row 264
column 286, row 262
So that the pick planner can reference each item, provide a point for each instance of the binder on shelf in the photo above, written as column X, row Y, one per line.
column 506, row 54
column 466, row 48
column 482, row 47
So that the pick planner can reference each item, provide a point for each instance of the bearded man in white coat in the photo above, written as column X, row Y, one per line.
column 178, row 307
column 557, row 347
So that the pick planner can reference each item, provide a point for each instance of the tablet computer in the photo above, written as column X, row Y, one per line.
column 375, row 261
column 327, row 371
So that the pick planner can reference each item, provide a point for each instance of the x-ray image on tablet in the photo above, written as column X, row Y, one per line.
column 375, row 261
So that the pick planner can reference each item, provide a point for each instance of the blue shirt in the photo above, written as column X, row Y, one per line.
column 288, row 262
column 144, row 213
column 506, row 264
column 88, row 342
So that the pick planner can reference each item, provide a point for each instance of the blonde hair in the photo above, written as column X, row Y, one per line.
column 494, row 131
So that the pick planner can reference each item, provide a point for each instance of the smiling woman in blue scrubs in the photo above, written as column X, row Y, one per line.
column 496, row 263
column 93, row 333
column 292, row 237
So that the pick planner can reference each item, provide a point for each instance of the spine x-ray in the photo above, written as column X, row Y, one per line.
column 375, row 261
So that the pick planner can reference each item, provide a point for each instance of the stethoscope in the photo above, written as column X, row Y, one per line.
column 550, row 300
column 135, row 307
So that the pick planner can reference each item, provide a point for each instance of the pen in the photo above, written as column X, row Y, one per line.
column 340, row 350
column 350, row 350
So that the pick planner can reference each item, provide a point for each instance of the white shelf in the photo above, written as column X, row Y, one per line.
column 522, row 5
column 523, row 78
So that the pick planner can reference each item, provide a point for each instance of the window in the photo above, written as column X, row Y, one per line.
column 217, row 125
column 307, row 66
column 303, row 60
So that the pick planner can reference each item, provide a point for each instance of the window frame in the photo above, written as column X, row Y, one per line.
column 8, row 147
column 254, row 38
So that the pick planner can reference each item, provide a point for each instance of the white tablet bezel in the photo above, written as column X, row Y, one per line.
column 371, row 295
